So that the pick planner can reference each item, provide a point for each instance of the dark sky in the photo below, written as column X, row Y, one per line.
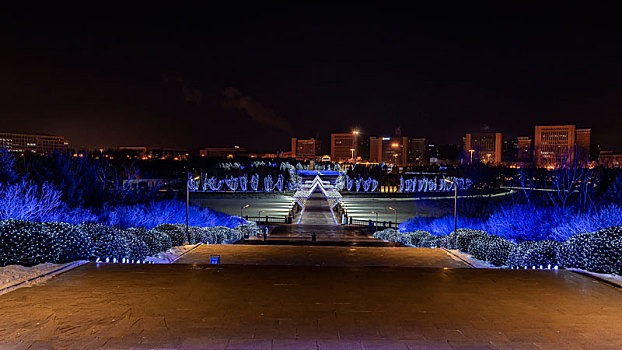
column 255, row 75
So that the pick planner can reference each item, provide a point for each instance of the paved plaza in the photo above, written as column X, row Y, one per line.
column 306, row 307
column 359, row 256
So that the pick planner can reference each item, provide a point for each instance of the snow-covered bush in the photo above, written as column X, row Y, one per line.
column 388, row 234
column 137, row 249
column 599, row 251
column 176, row 233
column 25, row 243
column 250, row 228
column 461, row 238
column 415, row 238
column 220, row 234
column 74, row 243
column 432, row 241
column 541, row 253
column 490, row 248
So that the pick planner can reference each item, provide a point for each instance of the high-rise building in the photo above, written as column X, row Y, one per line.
column 524, row 149
column 418, row 154
column 306, row 149
column 33, row 144
column 483, row 147
column 556, row 145
column 345, row 146
column 390, row 150
column 583, row 140
column 223, row 152
column 610, row 159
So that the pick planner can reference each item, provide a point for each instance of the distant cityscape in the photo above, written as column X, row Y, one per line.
column 550, row 145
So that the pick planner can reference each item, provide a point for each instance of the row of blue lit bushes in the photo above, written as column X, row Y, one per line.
column 598, row 251
column 27, row 200
column 525, row 222
column 29, row 243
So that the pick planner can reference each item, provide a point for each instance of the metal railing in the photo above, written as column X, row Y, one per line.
column 373, row 223
column 269, row 219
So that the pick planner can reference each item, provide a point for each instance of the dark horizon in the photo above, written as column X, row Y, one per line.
column 256, row 75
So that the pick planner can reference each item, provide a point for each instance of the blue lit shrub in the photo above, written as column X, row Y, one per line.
column 163, row 212
column 441, row 226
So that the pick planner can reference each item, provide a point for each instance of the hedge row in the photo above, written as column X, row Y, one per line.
column 599, row 251
column 29, row 243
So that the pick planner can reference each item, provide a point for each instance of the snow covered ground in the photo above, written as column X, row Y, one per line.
column 171, row 255
column 16, row 276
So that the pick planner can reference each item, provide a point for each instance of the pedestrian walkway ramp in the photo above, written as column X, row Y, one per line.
column 318, row 199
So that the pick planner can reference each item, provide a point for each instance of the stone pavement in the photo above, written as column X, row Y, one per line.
column 317, row 211
column 123, row 306
column 322, row 256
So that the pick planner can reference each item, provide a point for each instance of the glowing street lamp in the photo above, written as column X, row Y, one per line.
column 471, row 151
column 395, row 210
column 356, row 133
column 242, row 212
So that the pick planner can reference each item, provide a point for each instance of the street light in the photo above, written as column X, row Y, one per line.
column 242, row 212
column 355, row 132
column 395, row 210
column 375, row 223
column 190, row 178
column 259, row 214
column 471, row 151
column 455, row 207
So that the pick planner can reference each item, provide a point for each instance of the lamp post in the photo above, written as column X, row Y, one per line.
column 190, row 178
column 375, row 223
column 395, row 210
column 353, row 159
column 187, row 205
column 455, row 207
column 355, row 132
column 471, row 151
column 242, row 212
column 259, row 214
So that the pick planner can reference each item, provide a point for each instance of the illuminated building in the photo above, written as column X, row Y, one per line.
column 342, row 146
column 609, row 159
column 223, row 152
column 556, row 145
column 418, row 154
column 524, row 149
column 33, row 144
column 483, row 147
column 389, row 150
column 306, row 149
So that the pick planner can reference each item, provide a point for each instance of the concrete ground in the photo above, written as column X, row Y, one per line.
column 122, row 306
column 322, row 256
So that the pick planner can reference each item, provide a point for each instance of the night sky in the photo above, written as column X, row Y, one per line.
column 255, row 75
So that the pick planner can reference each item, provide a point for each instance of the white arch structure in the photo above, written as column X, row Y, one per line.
column 308, row 187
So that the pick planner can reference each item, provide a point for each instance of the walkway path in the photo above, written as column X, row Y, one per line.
column 121, row 306
column 322, row 256
column 317, row 211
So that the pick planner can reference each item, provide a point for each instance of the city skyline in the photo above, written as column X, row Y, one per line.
column 177, row 79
